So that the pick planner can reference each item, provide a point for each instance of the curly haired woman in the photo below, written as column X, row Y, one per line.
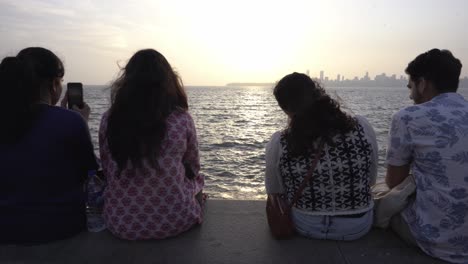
column 337, row 202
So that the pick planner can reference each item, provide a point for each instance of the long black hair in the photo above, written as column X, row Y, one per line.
column 21, row 80
column 313, row 113
column 143, row 96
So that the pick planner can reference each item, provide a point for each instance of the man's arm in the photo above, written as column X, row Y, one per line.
column 396, row 174
column 400, row 149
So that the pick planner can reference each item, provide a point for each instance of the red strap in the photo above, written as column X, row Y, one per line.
column 309, row 175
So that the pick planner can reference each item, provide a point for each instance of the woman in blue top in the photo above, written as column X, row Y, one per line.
column 45, row 152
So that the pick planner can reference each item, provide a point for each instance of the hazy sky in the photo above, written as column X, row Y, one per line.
column 214, row 42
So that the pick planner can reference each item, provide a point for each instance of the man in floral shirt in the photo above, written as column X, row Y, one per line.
column 431, row 139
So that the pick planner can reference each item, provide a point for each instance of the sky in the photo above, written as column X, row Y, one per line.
column 214, row 42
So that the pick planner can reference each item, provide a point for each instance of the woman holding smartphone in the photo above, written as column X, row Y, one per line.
column 45, row 152
column 149, row 153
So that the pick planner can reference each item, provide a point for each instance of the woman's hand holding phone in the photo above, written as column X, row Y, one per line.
column 84, row 111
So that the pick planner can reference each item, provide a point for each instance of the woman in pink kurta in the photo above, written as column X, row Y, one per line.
column 149, row 153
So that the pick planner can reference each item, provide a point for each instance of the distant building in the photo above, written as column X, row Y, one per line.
column 366, row 78
column 380, row 80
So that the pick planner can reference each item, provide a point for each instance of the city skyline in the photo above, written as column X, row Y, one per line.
column 379, row 80
column 366, row 77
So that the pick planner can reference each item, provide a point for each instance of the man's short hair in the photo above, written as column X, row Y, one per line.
column 438, row 66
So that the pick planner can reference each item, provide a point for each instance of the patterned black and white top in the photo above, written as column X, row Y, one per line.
column 342, row 179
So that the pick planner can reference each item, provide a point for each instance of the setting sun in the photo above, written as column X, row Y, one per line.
column 218, row 42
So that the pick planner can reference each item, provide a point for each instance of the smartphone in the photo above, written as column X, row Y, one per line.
column 75, row 95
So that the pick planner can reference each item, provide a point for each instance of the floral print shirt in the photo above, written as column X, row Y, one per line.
column 433, row 138
column 148, row 203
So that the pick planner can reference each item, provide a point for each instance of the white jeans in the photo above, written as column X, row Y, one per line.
column 332, row 227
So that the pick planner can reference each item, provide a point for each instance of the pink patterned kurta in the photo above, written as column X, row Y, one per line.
column 145, row 203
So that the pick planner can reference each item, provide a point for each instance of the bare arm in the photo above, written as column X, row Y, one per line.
column 400, row 150
column 396, row 174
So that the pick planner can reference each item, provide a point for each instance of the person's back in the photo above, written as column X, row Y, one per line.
column 342, row 183
column 45, row 153
column 336, row 203
column 148, row 203
column 431, row 139
column 43, row 175
column 438, row 133
column 149, row 153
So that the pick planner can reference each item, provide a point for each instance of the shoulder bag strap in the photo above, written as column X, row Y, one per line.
column 309, row 175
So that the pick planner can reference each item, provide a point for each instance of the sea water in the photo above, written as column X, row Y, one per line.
column 235, row 123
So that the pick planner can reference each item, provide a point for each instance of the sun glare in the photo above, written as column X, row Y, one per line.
column 251, row 39
column 216, row 42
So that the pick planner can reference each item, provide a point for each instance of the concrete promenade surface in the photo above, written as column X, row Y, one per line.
column 233, row 232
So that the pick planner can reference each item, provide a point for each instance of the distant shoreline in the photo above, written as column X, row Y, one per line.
column 463, row 85
column 380, row 82
column 250, row 84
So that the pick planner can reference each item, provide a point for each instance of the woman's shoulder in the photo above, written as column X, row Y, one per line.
column 277, row 135
column 275, row 138
column 367, row 128
column 61, row 122
column 105, row 117
column 363, row 123
column 362, row 120
column 180, row 115
column 103, row 122
column 273, row 148
column 63, row 116
column 178, row 112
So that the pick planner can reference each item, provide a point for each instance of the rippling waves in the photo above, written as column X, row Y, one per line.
column 234, row 124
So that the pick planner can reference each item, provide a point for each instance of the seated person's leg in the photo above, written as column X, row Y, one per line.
column 311, row 226
column 350, row 227
column 399, row 225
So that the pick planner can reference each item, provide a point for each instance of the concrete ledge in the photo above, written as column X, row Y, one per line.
column 233, row 232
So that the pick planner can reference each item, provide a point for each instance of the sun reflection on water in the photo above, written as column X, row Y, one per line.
column 235, row 123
